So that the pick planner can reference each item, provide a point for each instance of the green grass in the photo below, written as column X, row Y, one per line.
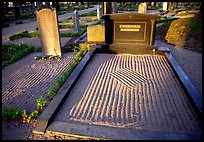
column 67, row 26
column 72, row 34
column 24, row 34
column 71, row 8
column 166, row 20
column 88, row 14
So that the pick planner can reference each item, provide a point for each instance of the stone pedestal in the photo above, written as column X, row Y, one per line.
column 130, row 32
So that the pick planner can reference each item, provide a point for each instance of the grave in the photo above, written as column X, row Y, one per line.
column 49, row 31
column 129, row 33
column 142, row 8
column 76, row 21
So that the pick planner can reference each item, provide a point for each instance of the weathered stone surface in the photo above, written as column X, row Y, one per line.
column 142, row 8
column 165, row 4
column 98, row 12
column 96, row 33
column 177, row 32
column 76, row 21
column 49, row 32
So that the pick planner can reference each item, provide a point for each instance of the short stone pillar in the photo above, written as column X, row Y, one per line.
column 142, row 8
column 76, row 21
column 165, row 4
column 49, row 31
column 98, row 12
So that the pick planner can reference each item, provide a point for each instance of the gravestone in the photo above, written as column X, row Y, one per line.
column 49, row 31
column 98, row 12
column 130, row 32
column 165, row 4
column 142, row 8
column 76, row 21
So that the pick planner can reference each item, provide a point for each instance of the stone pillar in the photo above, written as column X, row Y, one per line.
column 165, row 6
column 76, row 21
column 98, row 12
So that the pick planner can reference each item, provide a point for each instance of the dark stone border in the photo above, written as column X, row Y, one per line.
column 48, row 114
column 192, row 93
column 114, row 133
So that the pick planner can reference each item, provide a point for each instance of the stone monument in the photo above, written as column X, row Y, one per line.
column 49, row 31
column 76, row 21
column 98, row 12
column 142, row 8
column 129, row 32
column 165, row 4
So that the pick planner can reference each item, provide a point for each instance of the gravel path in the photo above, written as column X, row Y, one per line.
column 27, row 79
column 190, row 61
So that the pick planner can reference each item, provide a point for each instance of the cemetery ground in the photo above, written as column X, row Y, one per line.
column 18, row 130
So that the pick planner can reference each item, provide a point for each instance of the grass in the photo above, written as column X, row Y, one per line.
column 67, row 26
column 71, row 8
column 24, row 34
column 166, row 20
column 36, row 34
column 88, row 14
column 72, row 34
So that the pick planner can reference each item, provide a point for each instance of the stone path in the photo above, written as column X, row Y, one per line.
column 130, row 92
column 24, row 81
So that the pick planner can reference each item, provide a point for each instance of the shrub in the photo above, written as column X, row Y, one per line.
column 9, row 113
column 40, row 103
column 13, row 52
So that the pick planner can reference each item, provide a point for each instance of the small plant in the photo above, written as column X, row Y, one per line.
column 40, row 103
column 32, row 115
column 24, row 116
column 9, row 113
column 50, row 57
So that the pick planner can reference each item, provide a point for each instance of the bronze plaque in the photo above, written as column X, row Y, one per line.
column 129, row 32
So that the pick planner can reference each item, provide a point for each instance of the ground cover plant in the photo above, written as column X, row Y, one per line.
column 13, row 52
column 36, row 34
column 71, row 8
column 17, row 114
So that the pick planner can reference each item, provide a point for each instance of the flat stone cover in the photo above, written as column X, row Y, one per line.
column 132, row 92
column 24, row 81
